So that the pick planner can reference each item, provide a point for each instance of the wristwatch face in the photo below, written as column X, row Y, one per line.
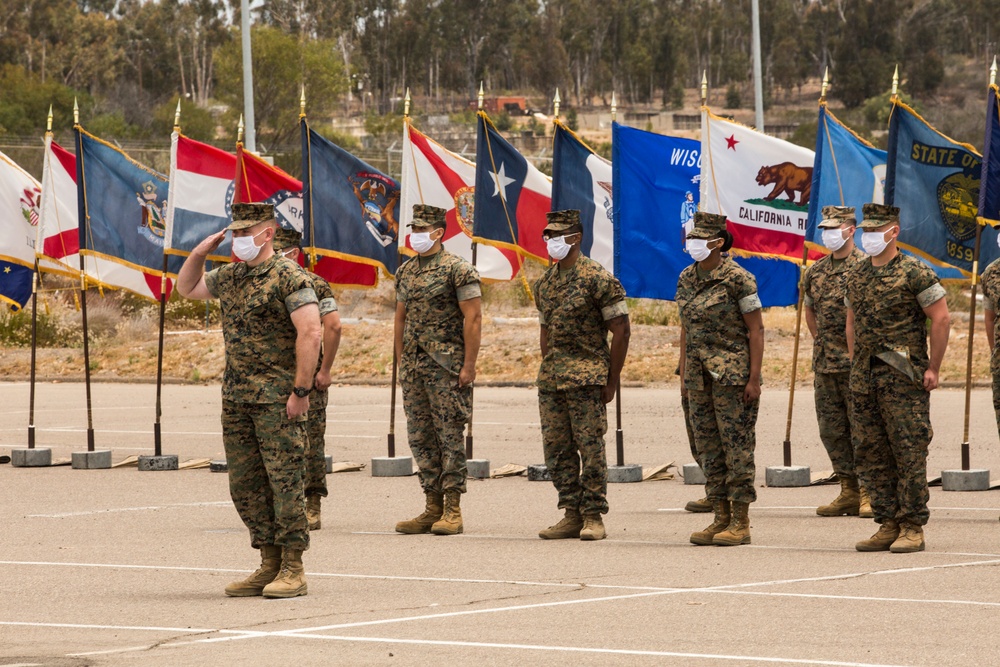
column 301, row 392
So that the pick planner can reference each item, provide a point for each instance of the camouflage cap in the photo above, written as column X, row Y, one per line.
column 286, row 238
column 561, row 221
column 428, row 216
column 248, row 214
column 835, row 216
column 877, row 215
column 707, row 225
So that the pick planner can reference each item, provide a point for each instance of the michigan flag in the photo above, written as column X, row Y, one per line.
column 20, row 201
column 581, row 179
column 935, row 180
column 655, row 198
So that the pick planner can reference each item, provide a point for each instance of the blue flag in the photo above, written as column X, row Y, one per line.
column 581, row 179
column 351, row 208
column 935, row 182
column 511, row 197
column 656, row 181
column 122, row 217
column 989, row 192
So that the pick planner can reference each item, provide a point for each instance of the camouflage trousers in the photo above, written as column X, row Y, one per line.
column 996, row 397
column 833, row 412
column 436, row 414
column 686, row 407
column 315, row 477
column 574, row 422
column 724, row 432
column 265, row 452
column 891, row 428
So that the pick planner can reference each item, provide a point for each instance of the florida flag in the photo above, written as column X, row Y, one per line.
column 512, row 196
column 257, row 181
column 59, row 233
column 19, row 208
column 435, row 176
column 201, row 187
column 760, row 183
column 581, row 179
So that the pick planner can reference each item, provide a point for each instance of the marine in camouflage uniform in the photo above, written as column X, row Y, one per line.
column 889, row 299
column 991, row 303
column 268, row 309
column 578, row 303
column 823, row 289
column 438, row 320
column 287, row 241
column 723, row 343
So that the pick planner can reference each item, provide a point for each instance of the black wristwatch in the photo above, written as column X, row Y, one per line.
column 301, row 392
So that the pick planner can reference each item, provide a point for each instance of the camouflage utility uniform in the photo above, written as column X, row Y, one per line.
column 264, row 449
column 823, row 287
column 716, row 372
column 991, row 302
column 574, row 305
column 891, row 425
column 315, row 478
column 433, row 354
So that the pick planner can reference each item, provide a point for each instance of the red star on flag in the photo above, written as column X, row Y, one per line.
column 731, row 142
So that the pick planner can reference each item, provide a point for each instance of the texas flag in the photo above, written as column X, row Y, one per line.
column 512, row 196
column 258, row 181
column 581, row 179
column 435, row 176
column 19, row 200
column 760, row 183
column 201, row 187
column 59, row 233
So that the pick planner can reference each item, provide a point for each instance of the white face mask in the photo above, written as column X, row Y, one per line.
column 421, row 241
column 557, row 247
column 698, row 249
column 245, row 248
column 874, row 243
column 834, row 239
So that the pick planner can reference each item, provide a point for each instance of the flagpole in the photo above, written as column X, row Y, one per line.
column 469, row 440
column 82, row 204
column 391, row 438
column 619, row 434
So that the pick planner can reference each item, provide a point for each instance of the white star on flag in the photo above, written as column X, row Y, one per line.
column 500, row 182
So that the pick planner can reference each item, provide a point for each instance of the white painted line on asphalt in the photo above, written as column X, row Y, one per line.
column 63, row 515
column 861, row 598
column 127, row 649
column 605, row 651
column 90, row 626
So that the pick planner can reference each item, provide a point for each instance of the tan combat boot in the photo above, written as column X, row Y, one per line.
column 451, row 520
column 270, row 565
column 422, row 524
column 291, row 580
column 883, row 539
column 723, row 516
column 865, row 506
column 911, row 538
column 846, row 504
column 699, row 506
column 738, row 531
column 312, row 511
column 593, row 527
column 567, row 528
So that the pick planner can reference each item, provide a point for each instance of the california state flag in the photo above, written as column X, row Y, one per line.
column 760, row 183
column 435, row 176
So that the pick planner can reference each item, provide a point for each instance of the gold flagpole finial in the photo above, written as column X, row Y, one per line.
column 48, row 122
column 556, row 101
column 614, row 107
column 825, row 86
column 993, row 72
column 704, row 88
column 481, row 94
column 302, row 101
column 895, row 81
column 76, row 112
column 239, row 131
column 177, row 117
column 406, row 104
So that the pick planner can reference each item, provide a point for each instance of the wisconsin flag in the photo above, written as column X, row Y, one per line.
column 512, row 196
column 59, row 227
column 655, row 198
column 201, row 189
column 581, row 179
column 435, row 176
column 20, row 199
column 761, row 184
column 122, row 227
column 351, row 208
column 935, row 182
column 257, row 181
